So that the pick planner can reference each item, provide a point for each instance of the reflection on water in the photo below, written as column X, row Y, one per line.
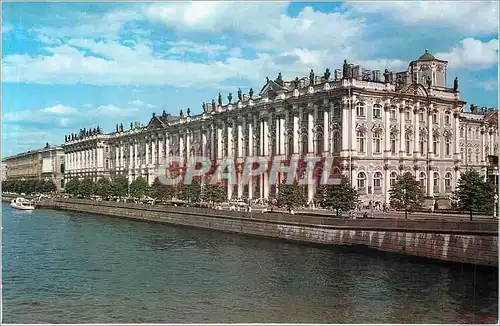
column 62, row 267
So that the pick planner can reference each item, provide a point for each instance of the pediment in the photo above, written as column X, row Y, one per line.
column 155, row 123
column 415, row 89
column 271, row 90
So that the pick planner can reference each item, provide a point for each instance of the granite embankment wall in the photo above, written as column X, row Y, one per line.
column 474, row 242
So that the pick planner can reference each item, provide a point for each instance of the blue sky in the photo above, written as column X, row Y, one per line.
column 66, row 66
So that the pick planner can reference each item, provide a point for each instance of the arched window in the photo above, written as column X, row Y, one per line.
column 360, row 109
column 336, row 142
column 377, row 142
column 319, row 143
column 377, row 111
column 336, row 110
column 436, row 182
column 461, row 132
column 435, row 144
column 435, row 117
column 394, row 177
column 447, row 119
column 304, row 144
column 361, row 141
column 290, row 146
column 421, row 116
column 477, row 156
column 462, row 154
column 447, row 146
column 407, row 113
column 478, row 133
column 423, row 142
column 469, row 156
column 393, row 113
column 107, row 164
column 408, row 137
column 393, row 143
column 447, row 181
column 361, row 180
column 377, row 177
column 422, row 180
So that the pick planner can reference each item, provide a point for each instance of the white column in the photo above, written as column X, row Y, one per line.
column 135, row 153
column 402, row 137
column 161, row 147
column 413, row 141
column 483, row 142
column 326, row 129
column 352, row 137
column 279, row 135
column 457, row 135
column 265, row 136
column 295, row 132
column 100, row 157
column 204, row 143
column 181, row 146
column 387, row 130
column 387, row 185
column 251, row 153
column 188, row 144
column 229, row 139
column 345, row 128
column 167, row 146
column 117, row 156
column 122, row 163
column 219, row 142
column 310, row 134
column 283, row 136
column 153, row 150
column 131, row 162
column 429, row 134
column 430, row 183
column 416, row 140
column 240, row 140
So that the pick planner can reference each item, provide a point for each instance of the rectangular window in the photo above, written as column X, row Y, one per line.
column 377, row 112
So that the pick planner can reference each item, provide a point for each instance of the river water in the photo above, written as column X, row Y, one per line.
column 62, row 267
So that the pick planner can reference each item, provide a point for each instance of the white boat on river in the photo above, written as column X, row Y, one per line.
column 22, row 204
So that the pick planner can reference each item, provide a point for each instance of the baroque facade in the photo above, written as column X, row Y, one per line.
column 41, row 164
column 376, row 130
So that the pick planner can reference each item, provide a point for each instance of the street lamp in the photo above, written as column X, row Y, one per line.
column 371, row 189
column 496, row 184
column 405, row 201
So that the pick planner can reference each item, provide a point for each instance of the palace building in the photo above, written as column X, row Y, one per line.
column 376, row 130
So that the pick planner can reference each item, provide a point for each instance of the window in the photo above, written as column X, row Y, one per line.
column 336, row 142
column 377, row 111
column 422, row 180
column 447, row 181
column 422, row 144
column 107, row 149
column 107, row 164
column 290, row 146
column 447, row 146
column 360, row 109
column 361, row 180
column 436, row 182
column 393, row 113
column 377, row 177
column 394, row 177
column 469, row 156
column 393, row 143
column 336, row 110
column 462, row 132
column 447, row 118
column 377, row 140
column 407, row 114
column 408, row 142
column 434, row 117
column 478, row 133
column 435, row 144
column 477, row 156
column 421, row 116
column 361, row 142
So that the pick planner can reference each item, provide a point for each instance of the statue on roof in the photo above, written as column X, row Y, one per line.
column 65, row 138
column 131, row 126
column 386, row 75
column 455, row 84
column 121, row 127
column 204, row 107
column 429, row 81
column 188, row 112
column 311, row 78
column 47, row 145
column 327, row 74
column 117, row 128
column 279, row 80
column 240, row 95
column 219, row 99
column 230, row 97
column 213, row 105
column 154, row 114
column 345, row 69
column 473, row 108
column 267, row 79
column 296, row 82
column 250, row 93
column 181, row 114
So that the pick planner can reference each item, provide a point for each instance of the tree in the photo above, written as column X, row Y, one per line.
column 341, row 198
column 104, row 187
column 406, row 193
column 290, row 196
column 161, row 191
column 472, row 193
column 72, row 187
column 190, row 192
column 119, row 186
column 86, row 188
column 214, row 193
column 139, row 187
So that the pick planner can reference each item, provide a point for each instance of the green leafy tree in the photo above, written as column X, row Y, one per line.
column 290, row 196
column 139, row 187
column 472, row 193
column 72, row 187
column 341, row 198
column 190, row 192
column 161, row 191
column 119, row 186
column 406, row 193
column 216, row 193
column 86, row 188
column 104, row 187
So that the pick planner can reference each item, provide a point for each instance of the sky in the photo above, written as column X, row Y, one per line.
column 67, row 66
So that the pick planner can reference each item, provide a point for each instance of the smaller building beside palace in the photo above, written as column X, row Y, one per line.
column 41, row 164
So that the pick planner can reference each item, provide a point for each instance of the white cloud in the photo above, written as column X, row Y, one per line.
column 136, row 103
column 60, row 109
column 473, row 54
column 478, row 17
column 6, row 28
column 114, row 111
column 488, row 85
column 184, row 46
